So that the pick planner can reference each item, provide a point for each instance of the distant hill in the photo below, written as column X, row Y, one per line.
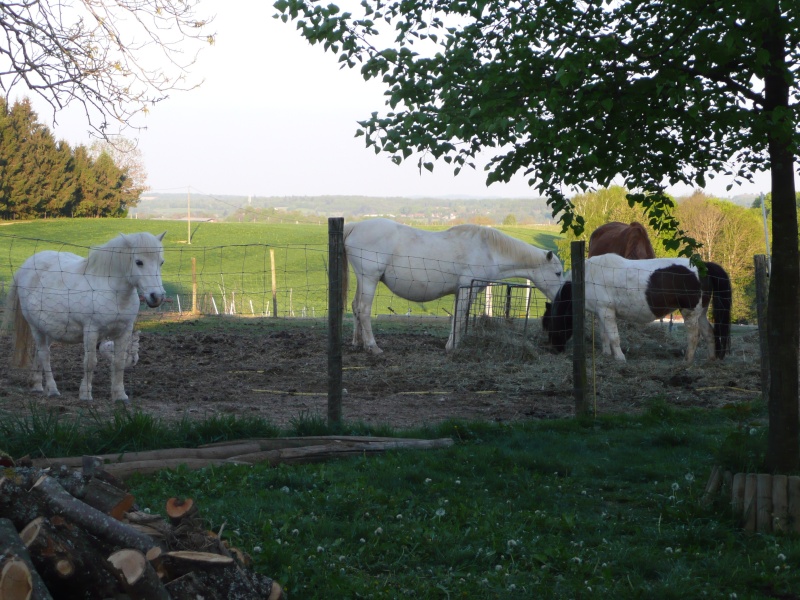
column 440, row 210
column 224, row 207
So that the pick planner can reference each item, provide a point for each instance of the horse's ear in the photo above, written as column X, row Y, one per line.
column 161, row 237
column 549, row 255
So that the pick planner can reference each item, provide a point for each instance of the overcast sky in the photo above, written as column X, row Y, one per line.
column 276, row 116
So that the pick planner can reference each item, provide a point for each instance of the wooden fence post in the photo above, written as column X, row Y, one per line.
column 274, row 283
column 762, row 291
column 578, row 250
column 194, row 286
column 336, row 266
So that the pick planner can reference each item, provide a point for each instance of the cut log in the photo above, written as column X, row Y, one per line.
column 737, row 496
column 169, row 454
column 780, row 504
column 126, row 469
column 206, row 572
column 107, row 498
column 69, row 559
column 793, row 491
column 764, row 503
column 16, row 581
column 712, row 487
column 138, row 576
column 14, row 504
column 335, row 449
column 180, row 562
column 92, row 520
column 750, row 500
column 18, row 576
column 179, row 509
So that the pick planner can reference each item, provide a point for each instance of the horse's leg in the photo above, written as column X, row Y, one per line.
column 41, row 366
column 610, row 331
column 118, row 361
column 358, row 333
column 362, row 308
column 459, row 320
column 90, row 339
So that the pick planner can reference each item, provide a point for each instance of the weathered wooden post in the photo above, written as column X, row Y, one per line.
column 194, row 286
column 578, row 250
column 762, row 290
column 274, row 283
column 336, row 266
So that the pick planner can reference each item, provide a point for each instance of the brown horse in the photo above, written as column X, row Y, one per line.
column 629, row 241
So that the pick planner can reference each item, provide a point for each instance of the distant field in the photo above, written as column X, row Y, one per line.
column 233, row 261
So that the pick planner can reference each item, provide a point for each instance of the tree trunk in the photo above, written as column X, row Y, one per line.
column 783, row 309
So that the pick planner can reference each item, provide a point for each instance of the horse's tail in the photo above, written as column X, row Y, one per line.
column 721, row 301
column 21, row 336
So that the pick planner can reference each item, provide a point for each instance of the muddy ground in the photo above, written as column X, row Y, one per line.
column 278, row 370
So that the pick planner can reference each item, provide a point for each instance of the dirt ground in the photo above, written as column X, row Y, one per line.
column 278, row 370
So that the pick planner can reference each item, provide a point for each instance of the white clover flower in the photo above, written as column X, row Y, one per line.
column 428, row 480
column 295, row 532
column 440, row 512
column 320, row 549
column 576, row 559
column 257, row 549
column 781, row 557
column 363, row 541
column 689, row 477
column 498, row 568
column 342, row 558
column 675, row 486
column 379, row 531
column 668, row 550
column 458, row 482
column 512, row 587
column 398, row 517
column 511, row 543
column 285, row 489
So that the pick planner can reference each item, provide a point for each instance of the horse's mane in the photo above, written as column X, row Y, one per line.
column 114, row 256
column 516, row 250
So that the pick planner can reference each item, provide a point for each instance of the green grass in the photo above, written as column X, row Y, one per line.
column 569, row 508
column 233, row 262
column 563, row 509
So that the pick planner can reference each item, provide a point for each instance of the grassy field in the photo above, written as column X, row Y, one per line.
column 233, row 262
column 606, row 508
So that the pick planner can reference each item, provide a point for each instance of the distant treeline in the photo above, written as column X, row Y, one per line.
column 40, row 177
column 422, row 210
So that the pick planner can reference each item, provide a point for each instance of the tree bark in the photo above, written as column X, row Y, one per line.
column 92, row 520
column 783, row 309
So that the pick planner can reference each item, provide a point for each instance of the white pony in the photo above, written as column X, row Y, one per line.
column 422, row 266
column 62, row 297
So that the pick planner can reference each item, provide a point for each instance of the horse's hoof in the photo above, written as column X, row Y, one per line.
column 374, row 350
column 53, row 393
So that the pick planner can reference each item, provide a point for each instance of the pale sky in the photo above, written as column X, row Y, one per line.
column 276, row 116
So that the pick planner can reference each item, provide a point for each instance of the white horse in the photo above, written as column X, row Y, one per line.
column 62, row 297
column 422, row 266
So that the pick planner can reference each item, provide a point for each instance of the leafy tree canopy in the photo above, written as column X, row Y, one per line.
column 572, row 94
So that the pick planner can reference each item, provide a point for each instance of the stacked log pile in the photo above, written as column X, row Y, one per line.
column 68, row 533
column 70, row 529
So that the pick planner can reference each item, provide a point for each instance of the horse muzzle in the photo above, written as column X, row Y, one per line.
column 154, row 299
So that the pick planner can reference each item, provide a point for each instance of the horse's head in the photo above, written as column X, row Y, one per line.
column 551, row 274
column 557, row 318
column 146, row 256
